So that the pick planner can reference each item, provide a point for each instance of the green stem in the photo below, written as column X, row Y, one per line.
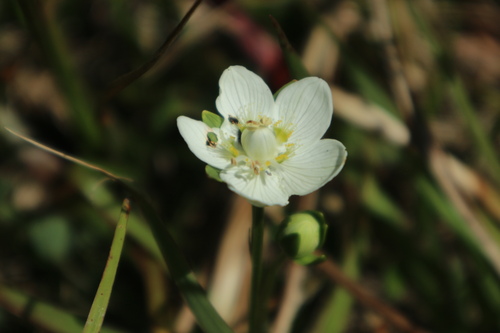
column 256, row 322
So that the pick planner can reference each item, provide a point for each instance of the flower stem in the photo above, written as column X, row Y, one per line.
column 256, row 320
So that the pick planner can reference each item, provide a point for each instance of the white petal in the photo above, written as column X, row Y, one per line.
column 195, row 133
column 307, row 105
column 261, row 190
column 229, row 129
column 312, row 167
column 244, row 95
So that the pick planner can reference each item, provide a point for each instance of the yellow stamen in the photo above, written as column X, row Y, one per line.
column 234, row 151
column 281, row 158
column 282, row 135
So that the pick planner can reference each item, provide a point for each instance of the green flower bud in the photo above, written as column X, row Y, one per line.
column 301, row 234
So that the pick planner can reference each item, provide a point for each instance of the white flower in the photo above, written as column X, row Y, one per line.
column 266, row 149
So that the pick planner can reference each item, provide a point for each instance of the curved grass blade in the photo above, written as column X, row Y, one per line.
column 42, row 314
column 208, row 318
column 478, row 133
column 380, row 204
column 123, row 81
column 49, row 36
column 101, row 300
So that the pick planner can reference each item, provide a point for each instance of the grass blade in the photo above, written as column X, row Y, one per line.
column 101, row 300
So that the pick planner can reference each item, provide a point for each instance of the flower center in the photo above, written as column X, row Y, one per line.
column 259, row 142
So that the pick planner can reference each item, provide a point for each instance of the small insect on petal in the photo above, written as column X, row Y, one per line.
column 233, row 120
column 212, row 139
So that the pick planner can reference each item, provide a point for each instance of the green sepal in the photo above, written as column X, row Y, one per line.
column 211, row 119
column 213, row 173
column 280, row 89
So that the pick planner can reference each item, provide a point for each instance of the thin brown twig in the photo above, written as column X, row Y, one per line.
column 393, row 316
column 67, row 157
column 126, row 79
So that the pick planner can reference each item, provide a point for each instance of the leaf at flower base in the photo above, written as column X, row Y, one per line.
column 211, row 119
column 213, row 173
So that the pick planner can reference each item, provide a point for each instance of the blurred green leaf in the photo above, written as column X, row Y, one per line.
column 394, row 284
column 487, row 152
column 369, row 88
column 51, row 238
column 432, row 197
column 42, row 314
column 213, row 173
column 334, row 315
column 380, row 204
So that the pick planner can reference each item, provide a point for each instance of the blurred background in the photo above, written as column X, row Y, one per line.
column 413, row 217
